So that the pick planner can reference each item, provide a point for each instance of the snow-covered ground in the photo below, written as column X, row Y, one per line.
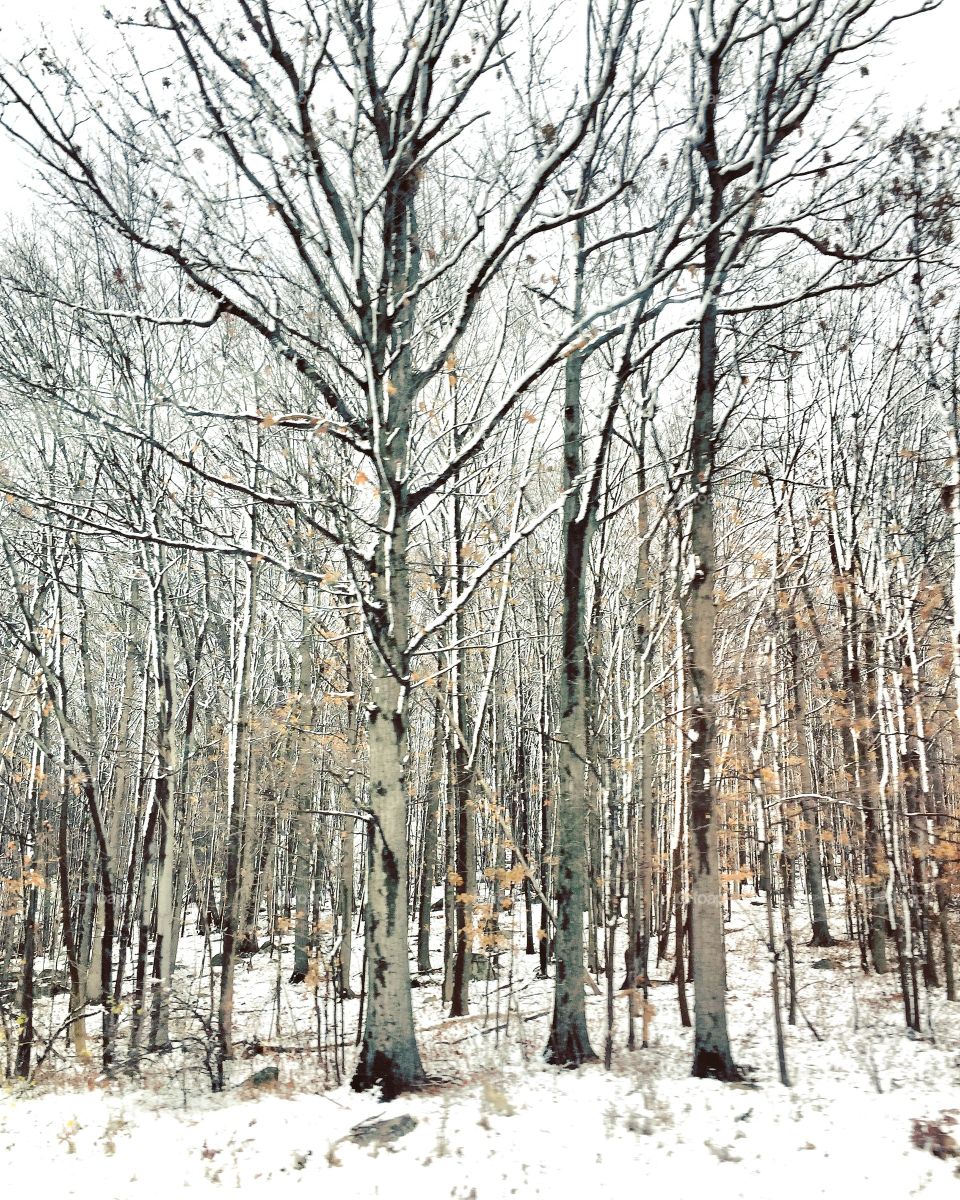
column 498, row 1122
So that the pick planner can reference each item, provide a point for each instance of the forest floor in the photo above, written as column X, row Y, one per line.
column 498, row 1122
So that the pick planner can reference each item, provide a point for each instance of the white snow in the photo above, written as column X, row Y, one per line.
column 498, row 1122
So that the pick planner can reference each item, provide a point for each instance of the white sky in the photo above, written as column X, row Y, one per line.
column 917, row 69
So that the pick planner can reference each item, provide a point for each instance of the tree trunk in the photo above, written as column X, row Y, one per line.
column 811, row 840
column 239, row 832
column 569, row 1041
column 388, row 1055
column 711, row 1054
column 431, row 828
column 26, row 996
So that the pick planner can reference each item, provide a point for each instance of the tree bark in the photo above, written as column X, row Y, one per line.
column 811, row 840
column 711, row 1053
column 431, row 830
column 569, row 1041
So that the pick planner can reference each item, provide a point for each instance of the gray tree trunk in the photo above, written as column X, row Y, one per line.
column 569, row 1041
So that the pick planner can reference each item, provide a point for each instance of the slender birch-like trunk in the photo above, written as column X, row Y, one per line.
column 239, row 832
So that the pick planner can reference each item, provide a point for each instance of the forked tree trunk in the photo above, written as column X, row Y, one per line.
column 389, row 1056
